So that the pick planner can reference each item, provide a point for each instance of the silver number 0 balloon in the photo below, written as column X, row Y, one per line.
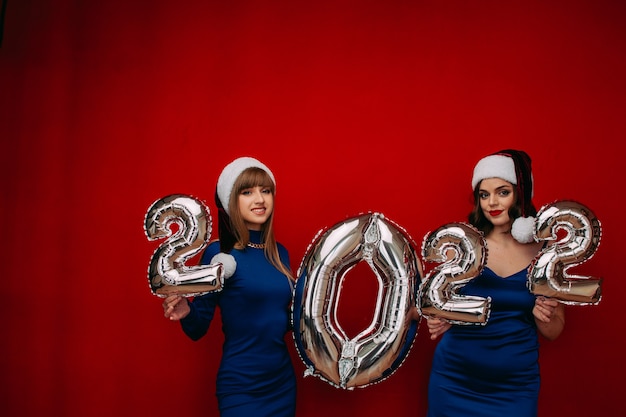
column 377, row 351
column 167, row 272
column 548, row 272
column 437, row 295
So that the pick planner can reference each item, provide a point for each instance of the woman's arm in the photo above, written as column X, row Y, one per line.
column 549, row 317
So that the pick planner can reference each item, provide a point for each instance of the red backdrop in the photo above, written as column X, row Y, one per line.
column 106, row 106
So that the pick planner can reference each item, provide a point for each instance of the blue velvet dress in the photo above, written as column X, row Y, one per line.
column 490, row 370
column 256, row 376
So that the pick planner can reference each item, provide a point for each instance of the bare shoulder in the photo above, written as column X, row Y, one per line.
column 531, row 250
column 510, row 257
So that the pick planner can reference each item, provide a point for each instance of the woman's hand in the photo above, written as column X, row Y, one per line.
column 437, row 327
column 175, row 307
column 545, row 309
column 549, row 317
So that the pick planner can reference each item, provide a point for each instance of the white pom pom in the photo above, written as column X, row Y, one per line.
column 228, row 262
column 523, row 228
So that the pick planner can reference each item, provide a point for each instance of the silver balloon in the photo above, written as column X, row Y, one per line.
column 548, row 272
column 462, row 249
column 167, row 272
column 377, row 351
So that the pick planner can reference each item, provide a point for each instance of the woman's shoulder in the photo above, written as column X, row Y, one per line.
column 212, row 249
column 282, row 250
column 531, row 250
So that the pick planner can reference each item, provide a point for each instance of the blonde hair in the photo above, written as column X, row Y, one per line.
column 255, row 177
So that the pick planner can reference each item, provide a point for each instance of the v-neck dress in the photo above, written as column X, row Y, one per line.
column 489, row 370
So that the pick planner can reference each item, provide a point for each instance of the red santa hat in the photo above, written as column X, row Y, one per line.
column 515, row 167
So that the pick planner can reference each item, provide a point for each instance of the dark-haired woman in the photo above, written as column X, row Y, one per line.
column 493, row 370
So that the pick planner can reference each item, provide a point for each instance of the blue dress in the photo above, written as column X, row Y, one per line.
column 256, row 376
column 490, row 370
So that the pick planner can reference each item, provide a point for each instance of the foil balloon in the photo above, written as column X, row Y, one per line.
column 548, row 274
column 461, row 250
column 377, row 351
column 167, row 272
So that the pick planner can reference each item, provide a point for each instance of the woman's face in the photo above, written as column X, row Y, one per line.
column 256, row 205
column 496, row 196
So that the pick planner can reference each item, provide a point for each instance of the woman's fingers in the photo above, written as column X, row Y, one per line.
column 169, row 304
column 436, row 327
column 545, row 308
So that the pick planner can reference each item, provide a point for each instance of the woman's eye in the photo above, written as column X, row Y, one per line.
column 483, row 195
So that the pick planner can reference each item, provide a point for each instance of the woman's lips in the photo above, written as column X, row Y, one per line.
column 495, row 213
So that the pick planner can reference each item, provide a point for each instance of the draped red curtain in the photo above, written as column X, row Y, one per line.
column 106, row 106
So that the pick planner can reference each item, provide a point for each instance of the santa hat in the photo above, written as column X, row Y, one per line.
column 515, row 167
column 224, row 188
column 231, row 172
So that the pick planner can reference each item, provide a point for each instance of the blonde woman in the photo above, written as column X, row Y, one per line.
column 256, row 375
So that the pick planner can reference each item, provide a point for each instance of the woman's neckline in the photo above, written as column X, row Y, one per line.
column 508, row 276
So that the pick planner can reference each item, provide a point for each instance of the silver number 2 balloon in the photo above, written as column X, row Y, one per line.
column 378, row 350
column 167, row 272
column 462, row 250
column 548, row 272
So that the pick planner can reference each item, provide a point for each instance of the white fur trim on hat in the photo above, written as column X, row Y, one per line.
column 228, row 262
column 523, row 229
column 230, row 173
column 494, row 166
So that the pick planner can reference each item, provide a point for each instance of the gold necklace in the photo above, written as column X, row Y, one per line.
column 256, row 245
